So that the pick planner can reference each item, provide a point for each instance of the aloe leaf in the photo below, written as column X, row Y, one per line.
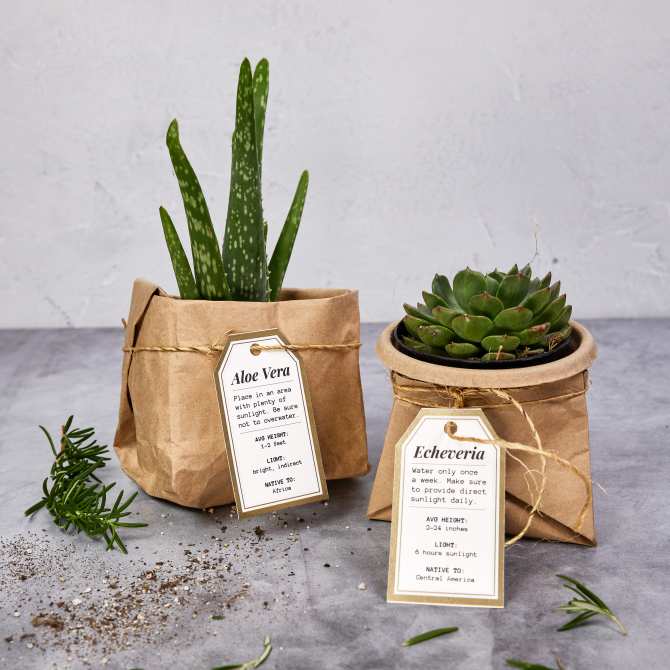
column 546, row 280
column 244, row 242
column 282, row 252
column 462, row 349
column 435, row 336
column 500, row 342
column 207, row 264
column 260, row 85
column 555, row 290
column 466, row 284
column 472, row 328
column 497, row 275
column 182, row 269
column 445, row 315
column 485, row 304
column 513, row 288
column 514, row 270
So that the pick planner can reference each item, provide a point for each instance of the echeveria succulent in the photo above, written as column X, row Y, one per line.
column 494, row 316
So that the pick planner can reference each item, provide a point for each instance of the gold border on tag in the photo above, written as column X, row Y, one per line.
column 391, row 596
column 310, row 417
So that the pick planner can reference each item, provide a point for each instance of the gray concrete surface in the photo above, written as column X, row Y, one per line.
column 199, row 589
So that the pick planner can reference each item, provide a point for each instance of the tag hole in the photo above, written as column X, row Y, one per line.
column 255, row 349
column 450, row 428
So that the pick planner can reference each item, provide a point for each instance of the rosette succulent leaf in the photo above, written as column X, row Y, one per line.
column 492, row 316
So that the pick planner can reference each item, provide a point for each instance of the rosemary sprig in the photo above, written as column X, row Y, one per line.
column 253, row 663
column 77, row 498
column 429, row 635
column 585, row 606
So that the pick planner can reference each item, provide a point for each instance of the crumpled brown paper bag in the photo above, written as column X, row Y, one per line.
column 553, row 395
column 169, row 437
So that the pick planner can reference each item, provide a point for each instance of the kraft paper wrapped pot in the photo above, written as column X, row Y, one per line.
column 554, row 396
column 169, row 437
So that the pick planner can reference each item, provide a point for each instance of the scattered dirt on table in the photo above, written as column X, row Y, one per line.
column 51, row 620
column 67, row 595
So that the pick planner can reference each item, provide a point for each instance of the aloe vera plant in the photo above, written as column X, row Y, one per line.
column 240, row 269
column 493, row 316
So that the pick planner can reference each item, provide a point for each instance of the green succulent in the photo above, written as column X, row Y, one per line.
column 240, row 270
column 494, row 316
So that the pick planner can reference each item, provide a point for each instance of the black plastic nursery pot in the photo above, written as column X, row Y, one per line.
column 563, row 349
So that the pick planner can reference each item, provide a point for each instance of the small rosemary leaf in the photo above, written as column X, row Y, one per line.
column 134, row 524
column 37, row 506
column 252, row 664
column 51, row 442
column 267, row 649
column 524, row 665
column 587, row 606
column 579, row 620
column 429, row 635
column 587, row 593
column 117, row 502
column 128, row 502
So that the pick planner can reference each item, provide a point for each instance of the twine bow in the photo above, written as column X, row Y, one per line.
column 456, row 396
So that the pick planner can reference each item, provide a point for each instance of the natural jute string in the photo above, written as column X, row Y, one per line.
column 210, row 349
column 456, row 396
column 257, row 348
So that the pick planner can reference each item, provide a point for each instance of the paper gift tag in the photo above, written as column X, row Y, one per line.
column 448, row 528
column 271, row 441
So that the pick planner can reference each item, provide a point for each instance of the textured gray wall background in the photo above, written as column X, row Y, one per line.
column 437, row 135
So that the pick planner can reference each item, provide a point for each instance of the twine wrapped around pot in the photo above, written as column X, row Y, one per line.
column 548, row 488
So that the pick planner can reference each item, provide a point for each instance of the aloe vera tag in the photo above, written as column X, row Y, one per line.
column 268, row 425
